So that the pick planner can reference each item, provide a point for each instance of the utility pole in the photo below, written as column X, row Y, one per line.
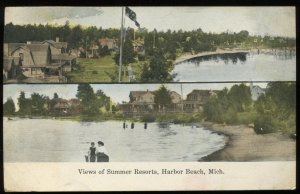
column 121, row 45
column 181, row 98
column 154, row 39
column 86, row 52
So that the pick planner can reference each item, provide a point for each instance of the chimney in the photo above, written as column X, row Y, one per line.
column 57, row 39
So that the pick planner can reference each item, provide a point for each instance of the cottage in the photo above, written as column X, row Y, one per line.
column 110, row 43
column 34, row 59
column 56, row 46
column 141, row 101
column 256, row 91
column 196, row 99
column 176, row 101
column 11, row 67
column 67, row 61
column 138, row 46
column 63, row 107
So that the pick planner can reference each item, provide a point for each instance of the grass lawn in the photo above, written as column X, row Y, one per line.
column 94, row 70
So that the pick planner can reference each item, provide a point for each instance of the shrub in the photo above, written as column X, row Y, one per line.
column 265, row 124
column 94, row 72
column 148, row 118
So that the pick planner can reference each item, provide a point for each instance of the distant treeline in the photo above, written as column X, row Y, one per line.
column 186, row 41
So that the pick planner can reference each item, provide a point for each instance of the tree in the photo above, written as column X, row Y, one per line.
column 162, row 98
column 158, row 69
column 9, row 107
column 127, row 51
column 87, row 97
column 103, row 100
column 240, row 97
column 38, row 104
column 24, row 104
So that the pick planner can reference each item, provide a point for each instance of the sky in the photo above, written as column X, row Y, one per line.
column 267, row 20
column 117, row 92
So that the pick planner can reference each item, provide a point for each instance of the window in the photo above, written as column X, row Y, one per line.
column 21, row 55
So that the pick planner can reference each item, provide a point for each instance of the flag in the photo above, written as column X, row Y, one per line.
column 132, row 15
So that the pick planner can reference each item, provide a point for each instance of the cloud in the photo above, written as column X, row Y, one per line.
column 47, row 14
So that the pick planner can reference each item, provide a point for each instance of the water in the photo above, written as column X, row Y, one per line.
column 237, row 67
column 46, row 140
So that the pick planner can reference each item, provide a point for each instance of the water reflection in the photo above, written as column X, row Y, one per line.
column 232, row 58
column 265, row 66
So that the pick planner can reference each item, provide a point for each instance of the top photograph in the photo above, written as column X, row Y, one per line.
column 149, row 44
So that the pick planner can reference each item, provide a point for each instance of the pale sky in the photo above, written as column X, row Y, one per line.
column 118, row 92
column 274, row 21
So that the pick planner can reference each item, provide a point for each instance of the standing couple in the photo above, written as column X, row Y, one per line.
column 99, row 153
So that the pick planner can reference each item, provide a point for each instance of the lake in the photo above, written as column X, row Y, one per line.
column 237, row 67
column 50, row 140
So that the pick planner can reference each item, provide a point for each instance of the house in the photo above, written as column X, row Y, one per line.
column 47, row 60
column 11, row 67
column 196, row 99
column 176, row 101
column 141, row 101
column 34, row 59
column 67, row 61
column 57, row 47
column 138, row 46
column 110, row 43
column 256, row 91
column 63, row 107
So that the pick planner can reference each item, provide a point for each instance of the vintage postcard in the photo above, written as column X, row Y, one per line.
column 149, row 98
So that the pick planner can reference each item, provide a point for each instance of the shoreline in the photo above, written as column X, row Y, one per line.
column 242, row 144
column 185, row 57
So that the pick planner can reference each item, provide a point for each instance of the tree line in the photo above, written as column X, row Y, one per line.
column 91, row 104
column 274, row 111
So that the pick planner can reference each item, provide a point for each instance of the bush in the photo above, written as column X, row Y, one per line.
column 148, row 118
column 141, row 57
column 94, row 72
column 265, row 124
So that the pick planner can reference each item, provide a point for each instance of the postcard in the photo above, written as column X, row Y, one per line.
column 141, row 98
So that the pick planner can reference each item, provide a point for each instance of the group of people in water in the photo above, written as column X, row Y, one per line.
column 98, row 153
column 132, row 125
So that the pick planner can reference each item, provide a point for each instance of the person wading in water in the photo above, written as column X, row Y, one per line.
column 92, row 152
column 101, row 152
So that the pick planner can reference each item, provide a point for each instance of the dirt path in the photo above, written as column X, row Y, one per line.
column 243, row 144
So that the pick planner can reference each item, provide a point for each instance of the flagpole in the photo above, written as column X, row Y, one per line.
column 121, row 45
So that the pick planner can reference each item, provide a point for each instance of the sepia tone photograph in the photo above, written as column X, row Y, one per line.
column 159, row 44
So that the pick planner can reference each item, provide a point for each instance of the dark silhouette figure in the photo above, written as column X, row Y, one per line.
column 145, row 125
column 132, row 125
column 92, row 152
column 124, row 125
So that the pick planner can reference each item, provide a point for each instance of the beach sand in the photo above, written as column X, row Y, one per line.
column 243, row 144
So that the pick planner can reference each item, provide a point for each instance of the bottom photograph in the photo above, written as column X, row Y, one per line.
column 149, row 122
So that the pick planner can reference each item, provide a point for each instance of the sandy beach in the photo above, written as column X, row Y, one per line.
column 243, row 144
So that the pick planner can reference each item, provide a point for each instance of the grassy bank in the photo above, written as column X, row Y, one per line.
column 94, row 70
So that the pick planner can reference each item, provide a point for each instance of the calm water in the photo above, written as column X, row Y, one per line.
column 237, row 67
column 46, row 140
